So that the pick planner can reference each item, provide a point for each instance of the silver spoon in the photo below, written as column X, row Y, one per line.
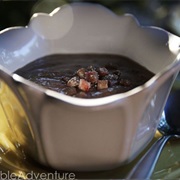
column 169, row 127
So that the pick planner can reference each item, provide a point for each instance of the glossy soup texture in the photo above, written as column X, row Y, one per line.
column 86, row 75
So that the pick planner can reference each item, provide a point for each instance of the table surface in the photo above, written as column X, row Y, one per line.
column 168, row 165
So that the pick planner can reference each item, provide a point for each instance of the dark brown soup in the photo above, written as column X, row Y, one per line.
column 86, row 75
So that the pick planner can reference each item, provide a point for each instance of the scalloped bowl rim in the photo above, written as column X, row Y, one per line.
column 94, row 101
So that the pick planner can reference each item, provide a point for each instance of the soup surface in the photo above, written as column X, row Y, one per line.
column 86, row 75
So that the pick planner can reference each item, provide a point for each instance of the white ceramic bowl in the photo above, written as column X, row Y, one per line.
column 84, row 134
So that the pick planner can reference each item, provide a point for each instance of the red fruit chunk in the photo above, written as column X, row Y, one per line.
column 84, row 85
column 92, row 76
column 73, row 82
column 81, row 73
column 103, row 71
column 102, row 84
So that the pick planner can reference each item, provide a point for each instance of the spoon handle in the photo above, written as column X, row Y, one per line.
column 144, row 168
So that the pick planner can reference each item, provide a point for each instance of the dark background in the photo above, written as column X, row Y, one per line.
column 162, row 13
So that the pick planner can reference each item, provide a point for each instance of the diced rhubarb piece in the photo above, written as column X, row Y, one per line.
column 103, row 71
column 81, row 73
column 92, row 76
column 73, row 82
column 102, row 84
column 84, row 85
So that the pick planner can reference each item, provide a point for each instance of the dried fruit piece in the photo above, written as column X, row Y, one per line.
column 92, row 76
column 103, row 71
column 84, row 85
column 81, row 73
column 102, row 84
column 73, row 82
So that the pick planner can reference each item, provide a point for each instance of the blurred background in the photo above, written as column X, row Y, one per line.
column 161, row 13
